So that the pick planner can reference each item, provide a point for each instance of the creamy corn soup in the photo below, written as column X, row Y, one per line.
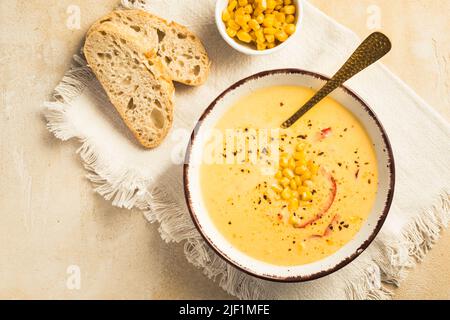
column 304, row 192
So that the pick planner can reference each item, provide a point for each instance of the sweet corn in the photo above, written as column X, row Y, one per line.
column 281, row 36
column 270, row 30
column 293, row 204
column 301, row 246
column 301, row 170
column 302, row 189
column 246, row 17
column 248, row 8
column 289, row 9
column 284, row 161
column 261, row 45
column 289, row 28
column 231, row 32
column 280, row 16
column 226, row 15
column 232, row 5
column 288, row 173
column 242, row 19
column 306, row 196
column 290, row 18
column 279, row 175
column 298, row 180
column 285, row 181
column 299, row 163
column 260, row 18
column 277, row 188
column 307, row 175
column 271, row 4
column 286, row 193
column 268, row 21
column 293, row 184
column 246, row 28
column 244, row 36
column 291, row 163
column 254, row 24
column 295, row 194
column 299, row 155
column 233, row 25
column 293, row 220
column 308, row 183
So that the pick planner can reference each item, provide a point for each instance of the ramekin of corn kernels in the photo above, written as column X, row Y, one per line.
column 258, row 27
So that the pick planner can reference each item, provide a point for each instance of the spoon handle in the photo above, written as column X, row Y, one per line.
column 373, row 48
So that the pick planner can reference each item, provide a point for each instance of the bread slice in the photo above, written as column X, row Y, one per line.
column 181, row 51
column 135, row 81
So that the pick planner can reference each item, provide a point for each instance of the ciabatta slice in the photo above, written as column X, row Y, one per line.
column 134, row 80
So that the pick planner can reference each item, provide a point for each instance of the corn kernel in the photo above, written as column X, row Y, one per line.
column 287, row 2
column 293, row 220
column 289, row 9
column 268, row 21
column 233, row 25
column 295, row 194
column 289, row 28
column 301, row 170
column 271, row 45
column 307, row 175
column 308, row 183
column 280, row 16
column 270, row 30
column 299, row 163
column 279, row 174
column 299, row 147
column 298, row 180
column 260, row 18
column 306, row 196
column 302, row 189
column 226, row 15
column 301, row 246
column 293, row 184
column 299, row 155
column 231, row 32
column 285, row 181
column 290, row 18
column 277, row 188
column 242, row 2
column 291, row 163
column 284, row 161
column 286, row 193
column 281, row 36
column 244, row 36
column 232, row 5
column 248, row 9
column 246, row 28
column 293, row 204
column 254, row 24
column 260, row 45
column 271, row 4
column 288, row 173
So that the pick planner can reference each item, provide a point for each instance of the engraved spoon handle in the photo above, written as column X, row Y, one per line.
column 373, row 48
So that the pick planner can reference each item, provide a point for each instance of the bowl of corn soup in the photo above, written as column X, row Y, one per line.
column 258, row 27
column 292, row 204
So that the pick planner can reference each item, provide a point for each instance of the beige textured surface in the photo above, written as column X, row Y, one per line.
column 49, row 217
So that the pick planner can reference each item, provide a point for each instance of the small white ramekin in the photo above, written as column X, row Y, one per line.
column 247, row 48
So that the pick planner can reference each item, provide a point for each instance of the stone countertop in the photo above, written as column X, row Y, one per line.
column 51, row 223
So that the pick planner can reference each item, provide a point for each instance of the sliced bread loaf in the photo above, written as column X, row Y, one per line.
column 181, row 51
column 135, row 81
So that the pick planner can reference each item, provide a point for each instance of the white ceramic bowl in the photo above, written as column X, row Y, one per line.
column 259, row 268
column 247, row 48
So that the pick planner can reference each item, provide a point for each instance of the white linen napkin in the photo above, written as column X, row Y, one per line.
column 130, row 176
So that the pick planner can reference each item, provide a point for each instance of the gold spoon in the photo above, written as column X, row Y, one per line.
column 373, row 48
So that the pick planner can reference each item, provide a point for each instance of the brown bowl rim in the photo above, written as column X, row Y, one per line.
column 362, row 247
